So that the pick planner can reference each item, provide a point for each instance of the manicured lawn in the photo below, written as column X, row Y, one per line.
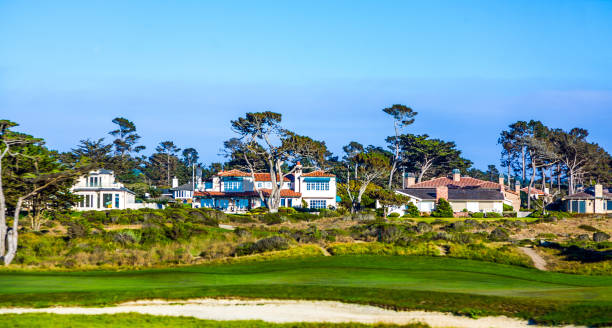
column 443, row 284
column 149, row 321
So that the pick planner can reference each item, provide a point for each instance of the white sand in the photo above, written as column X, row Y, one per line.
column 284, row 311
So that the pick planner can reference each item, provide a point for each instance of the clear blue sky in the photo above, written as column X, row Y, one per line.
column 181, row 70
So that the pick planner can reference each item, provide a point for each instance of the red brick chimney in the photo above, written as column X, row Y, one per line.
column 441, row 192
column 409, row 180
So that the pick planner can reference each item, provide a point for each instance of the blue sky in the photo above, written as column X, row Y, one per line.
column 181, row 70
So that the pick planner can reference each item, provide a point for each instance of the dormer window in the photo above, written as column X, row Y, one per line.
column 94, row 182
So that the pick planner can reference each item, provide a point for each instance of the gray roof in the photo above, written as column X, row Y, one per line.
column 187, row 186
column 455, row 194
column 104, row 189
column 588, row 194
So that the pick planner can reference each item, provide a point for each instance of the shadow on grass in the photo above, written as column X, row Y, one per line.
column 579, row 254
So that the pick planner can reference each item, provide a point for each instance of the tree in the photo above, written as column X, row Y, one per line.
column 443, row 209
column 514, row 146
column 261, row 134
column 412, row 210
column 389, row 199
column 26, row 185
column 127, row 138
column 492, row 172
column 540, row 151
column 95, row 150
column 351, row 150
column 169, row 150
column 370, row 165
column 402, row 117
column 425, row 155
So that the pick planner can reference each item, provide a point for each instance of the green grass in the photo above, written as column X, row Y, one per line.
column 429, row 283
column 149, row 321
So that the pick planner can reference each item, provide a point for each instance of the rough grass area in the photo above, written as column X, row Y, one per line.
column 427, row 283
column 142, row 320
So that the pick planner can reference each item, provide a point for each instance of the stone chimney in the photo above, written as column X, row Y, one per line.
column 441, row 192
column 456, row 175
column 598, row 191
column 409, row 180
column 174, row 182
column 517, row 187
column 501, row 180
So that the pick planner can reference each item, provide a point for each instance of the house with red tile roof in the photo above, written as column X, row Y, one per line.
column 463, row 193
column 236, row 191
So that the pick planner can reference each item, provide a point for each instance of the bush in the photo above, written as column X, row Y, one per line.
column 600, row 236
column 394, row 215
column 588, row 228
column 412, row 211
column 443, row 209
column 423, row 227
column 493, row 215
column 274, row 243
column 508, row 208
column 259, row 210
column 477, row 215
column 499, row 234
column 152, row 234
column 78, row 229
column 272, row 218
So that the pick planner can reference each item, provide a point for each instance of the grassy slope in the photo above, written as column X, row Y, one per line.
column 149, row 321
column 443, row 284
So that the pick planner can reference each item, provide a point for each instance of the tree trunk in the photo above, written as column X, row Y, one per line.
column 3, row 229
column 12, row 236
column 531, row 181
column 524, row 163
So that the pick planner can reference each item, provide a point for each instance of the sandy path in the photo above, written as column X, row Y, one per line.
column 538, row 261
column 285, row 311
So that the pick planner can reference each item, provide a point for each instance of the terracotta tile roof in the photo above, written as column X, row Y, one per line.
column 284, row 193
column 534, row 191
column 233, row 173
column 318, row 173
column 267, row 177
column 463, row 182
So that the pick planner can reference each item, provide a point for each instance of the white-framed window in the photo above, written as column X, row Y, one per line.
column 317, row 185
column 259, row 185
column 232, row 185
column 318, row 203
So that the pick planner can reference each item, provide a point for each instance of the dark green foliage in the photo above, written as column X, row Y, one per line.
column 508, row 208
column 78, row 229
column 443, row 209
column 272, row 218
column 588, row 228
column 394, row 215
column 423, row 227
column 274, row 243
column 499, row 234
column 412, row 211
column 493, row 215
column 477, row 215
column 600, row 236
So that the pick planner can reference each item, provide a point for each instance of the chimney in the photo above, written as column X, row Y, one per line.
column 598, row 191
column 441, row 192
column 517, row 187
column 456, row 175
column 174, row 182
column 501, row 180
column 409, row 180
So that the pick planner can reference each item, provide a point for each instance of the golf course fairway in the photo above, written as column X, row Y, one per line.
column 427, row 283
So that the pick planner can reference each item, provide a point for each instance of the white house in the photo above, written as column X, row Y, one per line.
column 236, row 191
column 182, row 193
column 463, row 193
column 101, row 191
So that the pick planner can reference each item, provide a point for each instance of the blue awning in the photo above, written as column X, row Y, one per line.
column 316, row 179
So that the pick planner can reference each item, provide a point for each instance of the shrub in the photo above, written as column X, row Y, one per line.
column 394, row 215
column 508, row 208
column 151, row 234
column 600, row 236
column 477, row 215
column 423, row 227
column 259, row 210
column 493, row 215
column 78, row 229
column 499, row 234
column 412, row 211
column 443, row 209
column 263, row 245
column 588, row 228
column 272, row 218
column 388, row 233
column 126, row 237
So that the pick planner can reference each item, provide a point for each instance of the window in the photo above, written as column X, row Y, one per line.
column 259, row 185
column 282, row 202
column 208, row 185
column 107, row 200
column 222, row 203
column 242, row 203
column 609, row 207
column 317, row 185
column 116, row 200
column 207, row 202
column 232, row 185
column 318, row 203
